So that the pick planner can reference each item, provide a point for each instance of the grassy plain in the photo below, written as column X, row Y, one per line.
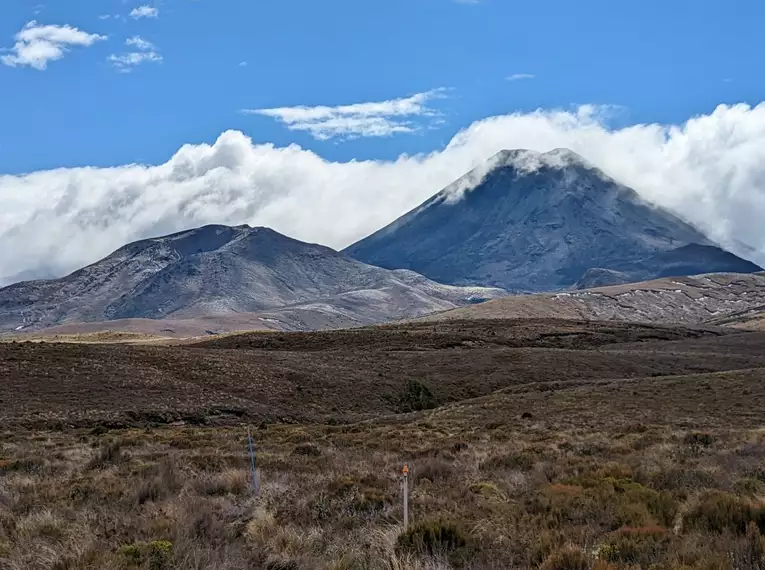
column 545, row 445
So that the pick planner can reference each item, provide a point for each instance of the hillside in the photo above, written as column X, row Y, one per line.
column 341, row 375
column 727, row 299
column 226, row 273
column 750, row 319
column 531, row 222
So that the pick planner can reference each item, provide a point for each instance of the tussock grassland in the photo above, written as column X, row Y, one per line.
column 532, row 444
column 650, row 473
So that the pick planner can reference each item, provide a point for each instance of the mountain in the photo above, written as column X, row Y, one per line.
column 692, row 259
column 529, row 222
column 721, row 299
column 228, row 272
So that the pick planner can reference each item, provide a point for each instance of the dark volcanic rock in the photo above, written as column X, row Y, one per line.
column 527, row 221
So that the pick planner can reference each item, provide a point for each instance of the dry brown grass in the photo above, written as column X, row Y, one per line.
column 581, row 461
column 601, row 477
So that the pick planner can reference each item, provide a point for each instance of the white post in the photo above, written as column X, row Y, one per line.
column 405, row 471
column 253, row 471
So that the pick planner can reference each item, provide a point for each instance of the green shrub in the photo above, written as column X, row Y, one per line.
column 544, row 544
column 676, row 479
column 749, row 486
column 351, row 499
column 643, row 546
column 520, row 461
column 160, row 554
column 306, row 449
column 569, row 557
column 281, row 565
column 132, row 553
column 660, row 504
column 717, row 511
column 566, row 504
column 370, row 501
column 699, row 439
column 155, row 555
column 416, row 397
column 754, row 546
column 488, row 490
column 110, row 453
column 29, row 465
column 432, row 537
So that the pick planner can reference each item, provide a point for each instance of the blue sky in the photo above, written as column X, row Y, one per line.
column 658, row 61
column 125, row 119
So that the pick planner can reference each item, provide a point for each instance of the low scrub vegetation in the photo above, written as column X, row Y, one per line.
column 180, row 498
column 415, row 397
column 656, row 474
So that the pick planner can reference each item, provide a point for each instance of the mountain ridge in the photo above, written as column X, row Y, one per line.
column 220, row 270
column 715, row 299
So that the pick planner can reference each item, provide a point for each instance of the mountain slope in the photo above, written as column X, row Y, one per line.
column 526, row 221
column 724, row 299
column 221, row 270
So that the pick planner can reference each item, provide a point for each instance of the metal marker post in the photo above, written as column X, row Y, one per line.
column 405, row 471
column 253, row 472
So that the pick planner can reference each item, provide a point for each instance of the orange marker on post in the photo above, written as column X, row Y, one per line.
column 405, row 472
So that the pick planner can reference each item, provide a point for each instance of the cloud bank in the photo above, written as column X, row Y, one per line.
column 710, row 169
column 379, row 119
column 37, row 45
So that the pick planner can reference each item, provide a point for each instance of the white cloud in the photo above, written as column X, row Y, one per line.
column 710, row 169
column 36, row 45
column 520, row 76
column 242, row 64
column 126, row 62
column 144, row 12
column 139, row 43
column 378, row 119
